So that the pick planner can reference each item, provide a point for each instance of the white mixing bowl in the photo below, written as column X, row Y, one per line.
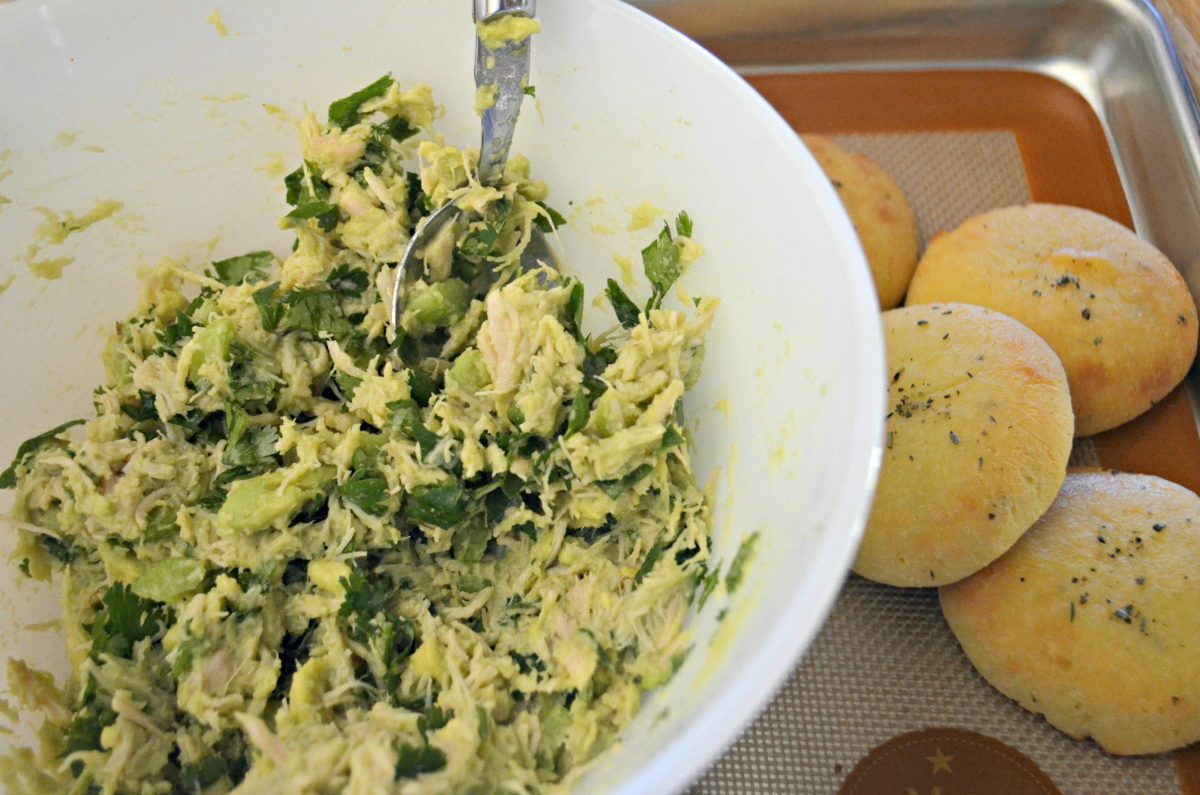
column 178, row 115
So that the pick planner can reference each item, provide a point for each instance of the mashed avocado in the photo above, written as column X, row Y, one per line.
column 302, row 552
column 506, row 30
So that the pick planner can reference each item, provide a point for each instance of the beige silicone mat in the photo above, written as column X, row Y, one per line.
column 885, row 662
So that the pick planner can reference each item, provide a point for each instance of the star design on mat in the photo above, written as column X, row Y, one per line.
column 940, row 762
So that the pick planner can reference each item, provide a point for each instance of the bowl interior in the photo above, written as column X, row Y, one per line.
column 182, row 117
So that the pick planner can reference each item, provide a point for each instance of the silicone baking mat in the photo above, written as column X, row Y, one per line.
column 886, row 664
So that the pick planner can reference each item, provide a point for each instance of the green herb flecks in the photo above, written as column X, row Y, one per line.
column 180, row 327
column 406, row 418
column 160, row 523
column 348, row 281
column 308, row 194
column 367, row 489
column 737, row 567
column 479, row 242
column 326, row 214
column 370, row 621
column 248, row 446
column 552, row 220
column 573, row 318
column 683, row 224
column 615, row 488
column 269, row 309
column 395, row 129
column 432, row 719
column 345, row 111
column 412, row 761
column 442, row 505
column 580, row 411
column 624, row 307
column 706, row 582
column 236, row 270
column 662, row 260
column 304, row 186
column 143, row 410
column 123, row 619
column 219, row 489
column 197, row 776
column 84, row 732
column 672, row 437
column 648, row 564
column 8, row 478
column 315, row 312
column 363, row 602
column 470, row 542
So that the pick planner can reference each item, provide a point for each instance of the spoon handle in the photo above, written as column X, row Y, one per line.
column 488, row 8
column 506, row 68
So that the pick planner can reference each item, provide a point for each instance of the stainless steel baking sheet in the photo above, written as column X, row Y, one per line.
column 1118, row 56
column 1115, row 53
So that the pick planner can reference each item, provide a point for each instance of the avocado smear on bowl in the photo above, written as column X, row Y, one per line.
column 301, row 553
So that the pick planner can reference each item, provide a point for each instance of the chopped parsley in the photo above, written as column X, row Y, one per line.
column 8, row 478
column 443, row 505
column 316, row 313
column 648, row 564
column 626, row 310
column 248, row 446
column 345, row 111
column 197, row 776
column 737, row 567
column 236, row 270
column 308, row 194
column 406, row 418
column 269, row 309
column 123, row 619
column 348, row 281
column 552, row 220
column 662, row 260
column 580, row 411
column 615, row 488
column 143, row 410
column 326, row 214
column 412, row 760
column 180, row 328
column 367, row 489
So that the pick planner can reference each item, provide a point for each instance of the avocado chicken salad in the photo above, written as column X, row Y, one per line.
column 303, row 552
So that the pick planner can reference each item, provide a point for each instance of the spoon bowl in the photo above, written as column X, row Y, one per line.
column 502, row 69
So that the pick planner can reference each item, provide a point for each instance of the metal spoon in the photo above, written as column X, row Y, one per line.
column 507, row 68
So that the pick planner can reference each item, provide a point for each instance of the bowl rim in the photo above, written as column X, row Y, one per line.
column 688, row 754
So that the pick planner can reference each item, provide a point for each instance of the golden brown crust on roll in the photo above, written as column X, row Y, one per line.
column 1093, row 618
column 882, row 216
column 978, row 435
column 1112, row 307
